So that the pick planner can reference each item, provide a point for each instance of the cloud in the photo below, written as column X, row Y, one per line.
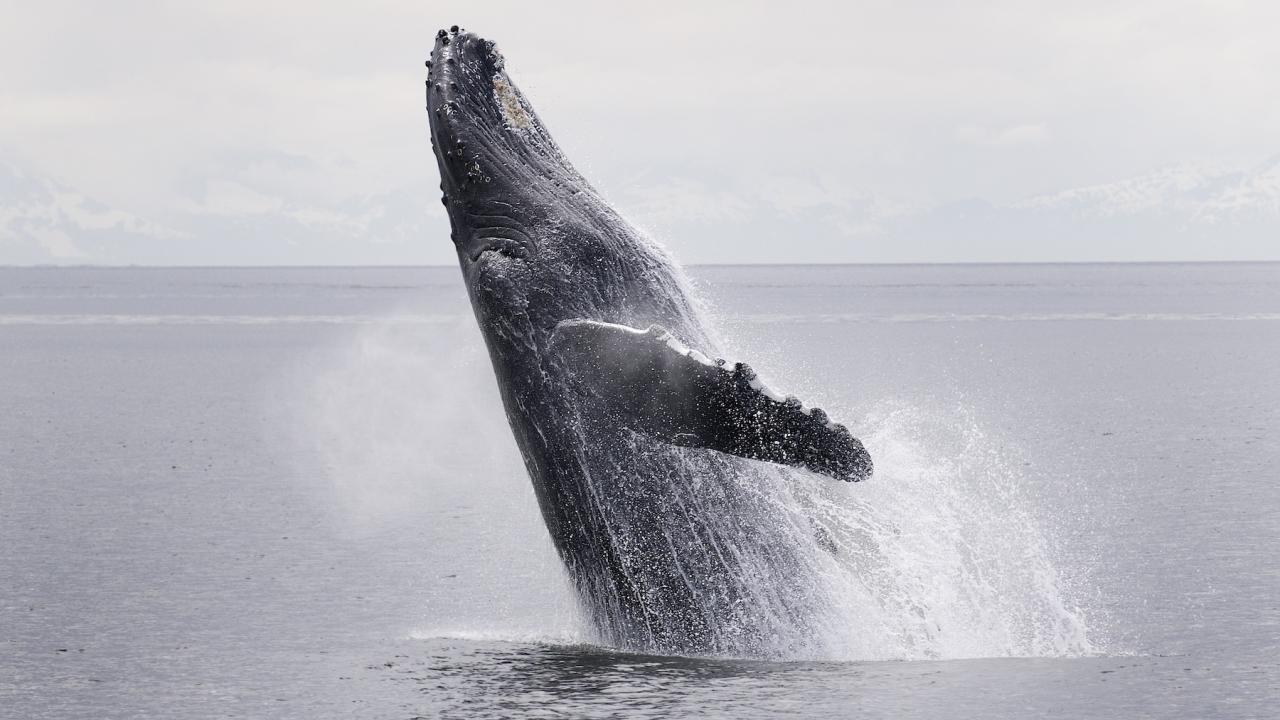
column 306, row 120
column 1007, row 137
column 223, row 197
column 684, row 200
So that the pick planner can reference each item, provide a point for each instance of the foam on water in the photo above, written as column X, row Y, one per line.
column 941, row 555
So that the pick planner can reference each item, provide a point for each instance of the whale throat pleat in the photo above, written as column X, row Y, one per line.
column 651, row 383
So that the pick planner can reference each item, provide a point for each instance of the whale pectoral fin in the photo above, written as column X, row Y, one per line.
column 651, row 383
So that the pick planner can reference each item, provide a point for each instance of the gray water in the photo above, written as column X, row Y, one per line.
column 292, row 493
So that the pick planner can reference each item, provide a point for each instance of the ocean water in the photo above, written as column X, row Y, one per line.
column 292, row 493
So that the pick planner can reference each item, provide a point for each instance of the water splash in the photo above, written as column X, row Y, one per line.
column 942, row 555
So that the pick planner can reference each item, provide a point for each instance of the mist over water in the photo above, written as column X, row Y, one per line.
column 405, row 420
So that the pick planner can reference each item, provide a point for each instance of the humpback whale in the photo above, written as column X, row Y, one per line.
column 659, row 469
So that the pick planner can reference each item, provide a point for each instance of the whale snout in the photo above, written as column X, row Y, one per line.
column 460, row 102
column 462, row 69
column 482, row 127
column 499, row 167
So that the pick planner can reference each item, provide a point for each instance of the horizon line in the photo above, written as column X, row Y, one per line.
column 139, row 266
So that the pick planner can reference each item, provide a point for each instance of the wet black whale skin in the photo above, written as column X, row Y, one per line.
column 636, row 449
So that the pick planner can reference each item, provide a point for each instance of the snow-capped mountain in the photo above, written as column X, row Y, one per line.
column 1178, row 213
column 1193, row 195
column 43, row 221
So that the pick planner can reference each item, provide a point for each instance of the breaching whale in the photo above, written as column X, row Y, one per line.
column 653, row 462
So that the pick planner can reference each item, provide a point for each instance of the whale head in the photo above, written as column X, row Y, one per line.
column 536, row 242
column 499, row 167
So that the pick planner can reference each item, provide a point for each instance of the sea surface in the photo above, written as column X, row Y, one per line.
column 292, row 493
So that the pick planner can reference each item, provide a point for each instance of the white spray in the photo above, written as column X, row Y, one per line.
column 939, row 556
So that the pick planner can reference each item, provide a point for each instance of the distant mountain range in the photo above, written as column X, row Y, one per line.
column 1187, row 195
column 45, row 222
column 1181, row 213
column 42, row 221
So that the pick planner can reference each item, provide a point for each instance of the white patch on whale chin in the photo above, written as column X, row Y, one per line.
column 513, row 113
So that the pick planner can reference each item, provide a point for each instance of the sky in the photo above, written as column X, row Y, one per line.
column 294, row 133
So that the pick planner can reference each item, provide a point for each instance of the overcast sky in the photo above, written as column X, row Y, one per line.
column 251, row 132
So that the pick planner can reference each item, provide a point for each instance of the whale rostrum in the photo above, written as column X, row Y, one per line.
column 655, row 464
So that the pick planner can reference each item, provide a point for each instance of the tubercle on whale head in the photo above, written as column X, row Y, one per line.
column 497, row 161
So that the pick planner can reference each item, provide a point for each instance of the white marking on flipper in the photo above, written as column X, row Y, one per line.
column 759, row 386
column 703, row 359
column 580, row 322
column 657, row 331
